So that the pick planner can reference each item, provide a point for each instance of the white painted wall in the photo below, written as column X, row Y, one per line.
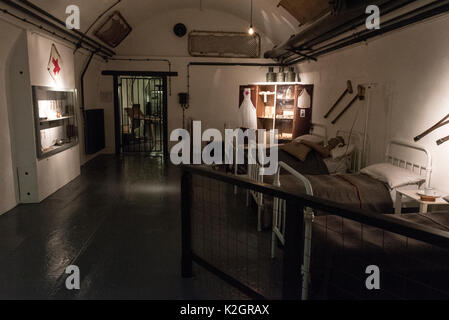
column 8, row 198
column 155, row 37
column 213, row 90
column 94, row 84
column 411, row 67
column 27, row 67
column 271, row 19
column 39, row 48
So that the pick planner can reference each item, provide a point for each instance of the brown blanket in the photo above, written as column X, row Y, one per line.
column 313, row 165
column 355, row 190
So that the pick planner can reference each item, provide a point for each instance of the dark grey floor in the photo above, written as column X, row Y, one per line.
column 118, row 222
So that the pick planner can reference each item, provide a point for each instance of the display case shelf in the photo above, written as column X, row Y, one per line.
column 56, row 119
column 56, row 123
column 286, row 107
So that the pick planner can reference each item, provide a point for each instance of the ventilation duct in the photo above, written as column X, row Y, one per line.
column 224, row 44
column 114, row 30
column 348, row 14
column 305, row 10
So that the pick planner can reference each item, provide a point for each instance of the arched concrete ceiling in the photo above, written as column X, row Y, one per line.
column 269, row 19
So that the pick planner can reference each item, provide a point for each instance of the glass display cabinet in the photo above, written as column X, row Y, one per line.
column 55, row 119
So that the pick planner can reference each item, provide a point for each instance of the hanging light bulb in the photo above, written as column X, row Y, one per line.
column 251, row 28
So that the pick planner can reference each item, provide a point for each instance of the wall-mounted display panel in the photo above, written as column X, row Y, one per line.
column 55, row 119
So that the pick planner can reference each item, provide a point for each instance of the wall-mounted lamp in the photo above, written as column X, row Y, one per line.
column 251, row 28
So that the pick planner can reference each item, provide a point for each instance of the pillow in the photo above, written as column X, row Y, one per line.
column 393, row 176
column 309, row 137
column 335, row 142
column 337, row 166
column 297, row 150
column 323, row 151
column 342, row 151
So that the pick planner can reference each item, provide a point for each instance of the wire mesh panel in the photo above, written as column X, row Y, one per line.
column 314, row 248
column 142, row 109
column 224, row 232
column 342, row 250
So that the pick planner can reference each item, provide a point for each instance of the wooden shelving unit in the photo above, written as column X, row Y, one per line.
column 286, row 107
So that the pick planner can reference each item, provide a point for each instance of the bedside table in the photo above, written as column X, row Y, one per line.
column 413, row 194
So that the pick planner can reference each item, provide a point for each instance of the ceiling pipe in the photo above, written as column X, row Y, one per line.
column 347, row 16
column 97, row 48
column 425, row 12
column 341, row 6
column 83, row 35
column 225, row 64
column 148, row 60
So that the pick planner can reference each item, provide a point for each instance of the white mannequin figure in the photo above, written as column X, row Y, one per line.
column 248, row 113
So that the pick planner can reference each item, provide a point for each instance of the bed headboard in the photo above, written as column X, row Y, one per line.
column 402, row 162
column 319, row 130
column 355, row 138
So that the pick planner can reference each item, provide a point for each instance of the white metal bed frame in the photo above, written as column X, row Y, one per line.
column 355, row 138
column 254, row 169
column 279, row 206
column 254, row 175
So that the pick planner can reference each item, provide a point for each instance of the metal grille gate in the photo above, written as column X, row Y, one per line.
column 142, row 108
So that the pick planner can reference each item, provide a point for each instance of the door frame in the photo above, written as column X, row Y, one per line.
column 117, row 125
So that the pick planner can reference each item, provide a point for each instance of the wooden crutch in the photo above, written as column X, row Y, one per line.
column 439, row 124
column 349, row 90
column 360, row 95
column 443, row 140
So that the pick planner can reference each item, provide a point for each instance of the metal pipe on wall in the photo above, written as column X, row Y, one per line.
column 331, row 26
column 84, row 34
column 225, row 64
column 149, row 60
column 83, row 107
column 98, row 48
column 428, row 11
column 89, row 60
column 52, row 17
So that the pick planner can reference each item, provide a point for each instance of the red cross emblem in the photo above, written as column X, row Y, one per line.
column 56, row 68
column 55, row 65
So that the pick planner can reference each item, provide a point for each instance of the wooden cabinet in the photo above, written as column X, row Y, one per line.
column 286, row 107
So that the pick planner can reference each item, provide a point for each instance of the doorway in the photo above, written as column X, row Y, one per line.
column 142, row 112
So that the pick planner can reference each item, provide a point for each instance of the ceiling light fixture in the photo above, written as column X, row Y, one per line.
column 251, row 28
